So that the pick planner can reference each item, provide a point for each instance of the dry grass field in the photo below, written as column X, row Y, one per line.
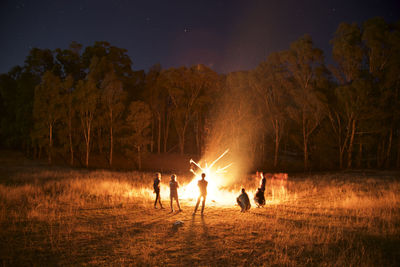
column 61, row 216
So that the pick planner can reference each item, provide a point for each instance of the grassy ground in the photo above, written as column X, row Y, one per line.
column 60, row 216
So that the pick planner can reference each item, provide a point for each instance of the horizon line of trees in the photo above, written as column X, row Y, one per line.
column 302, row 113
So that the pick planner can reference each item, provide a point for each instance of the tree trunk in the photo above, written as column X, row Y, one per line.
column 152, row 136
column 139, row 158
column 263, row 148
column 159, row 134
column 50, row 142
column 166, row 132
column 305, row 145
column 350, row 150
column 111, row 146
column 359, row 159
column 87, row 145
column 341, row 154
column 305, row 155
column 71, row 148
column 198, row 145
column 182, row 139
column 389, row 149
column 87, row 155
column 99, row 140
column 276, row 144
column 35, row 152
column 398, row 153
column 181, row 144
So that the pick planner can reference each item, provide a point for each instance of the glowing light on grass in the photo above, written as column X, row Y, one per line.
column 215, row 176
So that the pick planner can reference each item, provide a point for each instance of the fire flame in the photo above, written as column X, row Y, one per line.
column 216, row 181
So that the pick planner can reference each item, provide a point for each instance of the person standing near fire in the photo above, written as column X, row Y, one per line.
column 173, row 192
column 259, row 197
column 156, row 186
column 202, row 184
column 263, row 181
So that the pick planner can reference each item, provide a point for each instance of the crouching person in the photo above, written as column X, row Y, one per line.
column 243, row 201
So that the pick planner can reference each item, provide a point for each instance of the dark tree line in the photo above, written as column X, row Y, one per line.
column 79, row 100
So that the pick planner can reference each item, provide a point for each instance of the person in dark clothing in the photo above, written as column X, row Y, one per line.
column 202, row 184
column 173, row 191
column 156, row 186
column 259, row 198
column 263, row 181
column 243, row 201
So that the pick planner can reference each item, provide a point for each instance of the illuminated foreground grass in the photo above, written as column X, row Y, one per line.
column 70, row 217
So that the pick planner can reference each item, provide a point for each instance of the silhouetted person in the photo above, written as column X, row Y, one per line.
column 202, row 184
column 243, row 201
column 156, row 186
column 173, row 191
column 259, row 198
column 263, row 182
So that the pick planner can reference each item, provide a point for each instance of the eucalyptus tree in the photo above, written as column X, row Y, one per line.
column 138, row 136
column 304, row 63
column 46, row 108
column 348, row 55
column 87, row 97
column 382, row 49
column 113, row 78
column 270, row 80
column 187, row 91
column 68, row 116
column 211, row 86
column 156, row 97
column 112, row 97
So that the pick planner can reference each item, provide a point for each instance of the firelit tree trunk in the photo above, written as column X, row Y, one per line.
column 50, row 142
column 198, row 134
column 351, row 142
column 139, row 158
column 389, row 148
column 341, row 154
column 166, row 131
column 111, row 146
column 181, row 144
column 277, row 141
column 379, row 153
column 111, row 117
column 159, row 134
column 71, row 147
column 87, row 150
column 152, row 136
column 398, row 153
column 86, row 124
column 305, row 144
column 305, row 148
column 359, row 158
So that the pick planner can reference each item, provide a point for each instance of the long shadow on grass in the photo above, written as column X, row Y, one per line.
column 200, row 247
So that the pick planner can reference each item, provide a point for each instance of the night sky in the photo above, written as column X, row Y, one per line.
column 224, row 35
